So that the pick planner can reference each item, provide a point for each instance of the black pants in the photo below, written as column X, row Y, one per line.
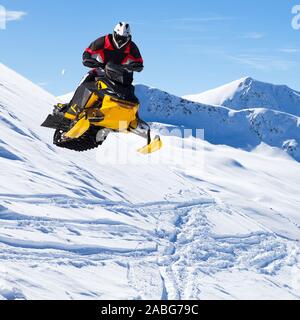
column 83, row 92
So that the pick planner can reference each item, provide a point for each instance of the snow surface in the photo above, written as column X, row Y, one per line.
column 75, row 227
column 66, row 97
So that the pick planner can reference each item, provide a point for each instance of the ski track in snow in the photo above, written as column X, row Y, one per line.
column 165, row 261
column 199, row 251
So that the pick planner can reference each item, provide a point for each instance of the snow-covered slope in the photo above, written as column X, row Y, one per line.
column 66, row 97
column 249, row 93
column 78, row 226
column 238, row 128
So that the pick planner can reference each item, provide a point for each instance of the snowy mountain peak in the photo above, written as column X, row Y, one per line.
column 246, row 81
column 248, row 93
column 222, row 125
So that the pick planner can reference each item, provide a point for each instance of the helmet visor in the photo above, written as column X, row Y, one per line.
column 121, row 40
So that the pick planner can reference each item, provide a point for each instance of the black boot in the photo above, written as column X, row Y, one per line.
column 61, row 108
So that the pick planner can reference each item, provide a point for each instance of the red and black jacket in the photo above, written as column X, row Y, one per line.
column 103, row 50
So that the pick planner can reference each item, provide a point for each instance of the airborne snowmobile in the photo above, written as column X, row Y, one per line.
column 111, row 107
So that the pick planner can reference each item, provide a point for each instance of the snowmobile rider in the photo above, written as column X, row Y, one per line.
column 117, row 48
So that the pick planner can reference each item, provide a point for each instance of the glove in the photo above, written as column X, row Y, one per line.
column 135, row 66
column 92, row 63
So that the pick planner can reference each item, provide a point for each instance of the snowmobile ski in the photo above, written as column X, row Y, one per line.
column 153, row 146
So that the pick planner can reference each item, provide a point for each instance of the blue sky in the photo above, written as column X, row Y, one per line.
column 188, row 46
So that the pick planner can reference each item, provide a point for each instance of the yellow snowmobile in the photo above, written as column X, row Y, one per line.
column 110, row 106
